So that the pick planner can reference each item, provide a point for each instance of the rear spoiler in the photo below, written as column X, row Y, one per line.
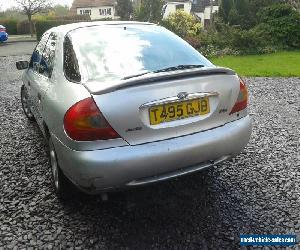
column 97, row 88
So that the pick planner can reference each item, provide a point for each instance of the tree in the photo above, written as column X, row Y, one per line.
column 225, row 7
column 234, row 17
column 244, row 12
column 13, row 13
column 256, row 5
column 124, row 9
column 60, row 10
column 294, row 3
column 32, row 7
column 149, row 11
column 282, row 23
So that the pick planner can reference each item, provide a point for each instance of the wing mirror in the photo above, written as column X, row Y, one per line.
column 22, row 65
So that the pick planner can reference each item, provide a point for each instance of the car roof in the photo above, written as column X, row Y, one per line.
column 64, row 29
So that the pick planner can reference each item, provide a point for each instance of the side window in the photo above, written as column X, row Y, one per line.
column 48, row 56
column 71, row 67
column 37, row 53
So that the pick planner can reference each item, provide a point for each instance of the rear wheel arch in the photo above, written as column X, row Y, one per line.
column 46, row 131
column 63, row 187
column 26, row 103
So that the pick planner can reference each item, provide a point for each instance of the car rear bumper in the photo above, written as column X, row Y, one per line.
column 100, row 170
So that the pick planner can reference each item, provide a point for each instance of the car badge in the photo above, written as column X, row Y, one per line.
column 182, row 95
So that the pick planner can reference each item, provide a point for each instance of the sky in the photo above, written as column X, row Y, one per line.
column 5, row 4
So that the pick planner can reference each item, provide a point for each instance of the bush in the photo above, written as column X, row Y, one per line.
column 281, row 23
column 244, row 40
column 278, row 28
column 73, row 18
column 182, row 24
column 23, row 27
column 231, row 40
column 10, row 24
column 41, row 26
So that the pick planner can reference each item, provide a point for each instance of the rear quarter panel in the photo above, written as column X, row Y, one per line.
column 60, row 96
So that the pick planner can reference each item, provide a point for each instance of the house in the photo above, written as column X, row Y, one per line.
column 172, row 6
column 203, row 9
column 96, row 9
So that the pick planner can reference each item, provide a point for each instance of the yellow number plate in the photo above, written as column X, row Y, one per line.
column 178, row 110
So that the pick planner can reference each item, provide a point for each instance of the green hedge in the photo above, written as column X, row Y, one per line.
column 23, row 27
column 42, row 26
column 10, row 24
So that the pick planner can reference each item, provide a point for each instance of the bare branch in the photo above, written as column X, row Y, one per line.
column 31, row 7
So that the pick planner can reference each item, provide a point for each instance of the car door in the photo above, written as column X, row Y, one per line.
column 33, row 77
column 42, row 76
column 45, row 73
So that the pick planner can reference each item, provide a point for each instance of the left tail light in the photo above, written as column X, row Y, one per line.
column 85, row 122
column 242, row 100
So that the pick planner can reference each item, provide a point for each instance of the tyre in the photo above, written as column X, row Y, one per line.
column 62, row 185
column 25, row 104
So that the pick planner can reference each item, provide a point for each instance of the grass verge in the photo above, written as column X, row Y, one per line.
column 280, row 64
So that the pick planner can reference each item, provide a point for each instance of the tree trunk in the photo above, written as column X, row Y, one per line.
column 30, row 24
column 211, row 12
column 150, row 13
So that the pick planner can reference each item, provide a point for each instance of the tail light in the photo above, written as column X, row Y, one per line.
column 84, row 122
column 242, row 101
column 2, row 30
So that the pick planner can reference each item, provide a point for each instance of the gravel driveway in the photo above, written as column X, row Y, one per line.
column 257, row 192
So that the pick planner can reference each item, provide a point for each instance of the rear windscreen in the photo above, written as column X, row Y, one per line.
column 113, row 52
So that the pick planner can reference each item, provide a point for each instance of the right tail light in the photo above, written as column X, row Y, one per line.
column 242, row 100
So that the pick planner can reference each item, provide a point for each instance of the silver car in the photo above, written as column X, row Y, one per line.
column 124, row 104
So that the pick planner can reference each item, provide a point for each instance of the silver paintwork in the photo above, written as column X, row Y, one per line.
column 150, row 151
column 186, row 96
column 98, row 89
column 179, row 172
column 99, row 170
column 114, row 103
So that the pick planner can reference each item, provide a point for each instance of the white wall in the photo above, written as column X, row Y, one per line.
column 206, row 14
column 106, row 12
column 208, row 10
column 170, row 8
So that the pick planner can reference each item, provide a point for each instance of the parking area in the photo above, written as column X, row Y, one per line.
column 257, row 192
column 16, row 48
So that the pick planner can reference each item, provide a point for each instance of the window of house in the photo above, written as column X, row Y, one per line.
column 105, row 12
column 86, row 12
column 179, row 6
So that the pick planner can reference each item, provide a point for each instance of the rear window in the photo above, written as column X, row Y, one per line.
column 113, row 52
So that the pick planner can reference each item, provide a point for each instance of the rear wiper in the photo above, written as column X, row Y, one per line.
column 179, row 67
column 136, row 75
column 173, row 68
